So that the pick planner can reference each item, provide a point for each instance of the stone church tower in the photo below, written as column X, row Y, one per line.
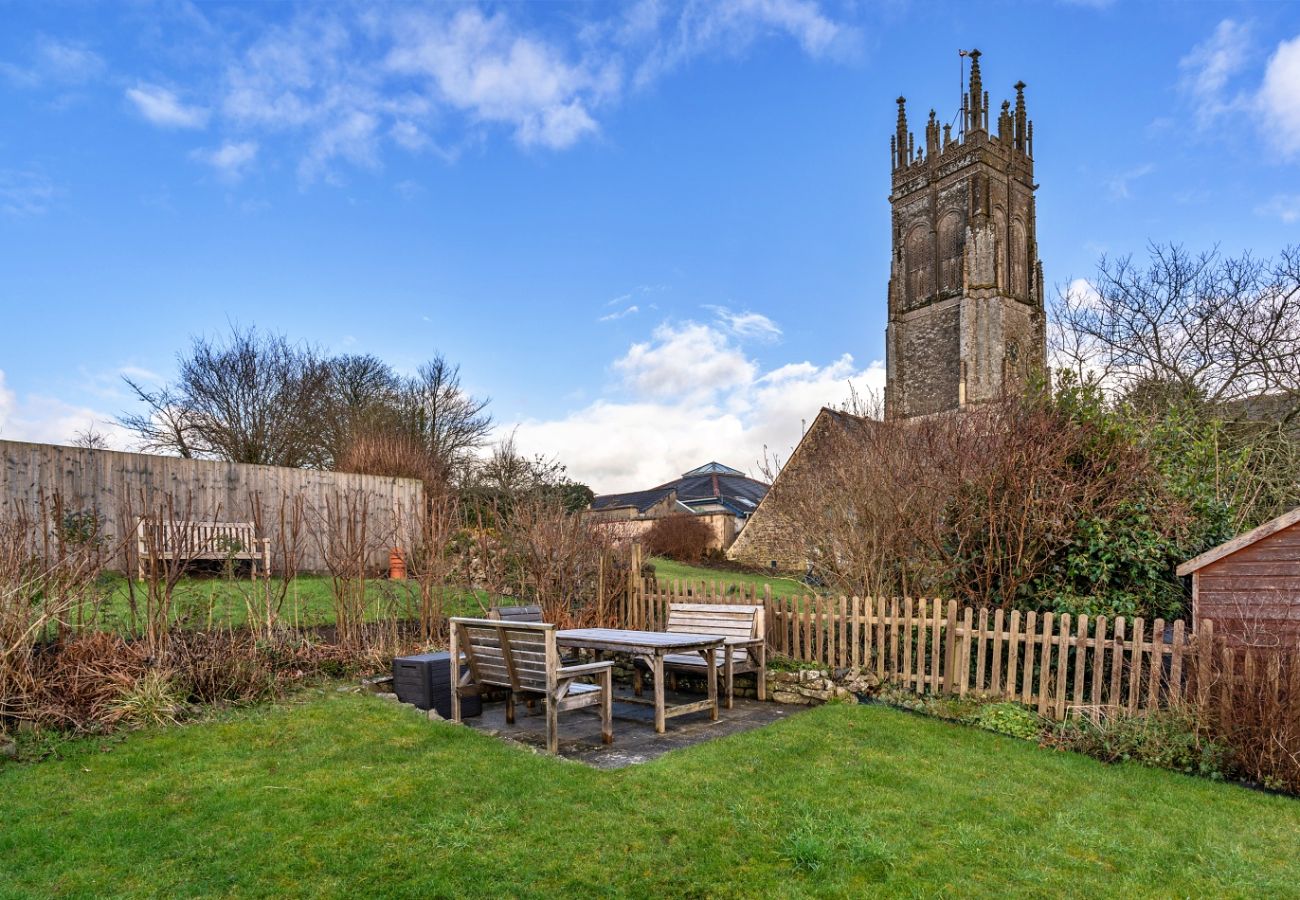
column 966, row 318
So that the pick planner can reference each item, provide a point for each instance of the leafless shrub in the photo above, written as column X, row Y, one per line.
column 50, row 563
column 682, row 537
column 349, row 540
column 546, row 555
column 971, row 506
column 1252, row 705
column 164, row 548
column 431, row 562
column 75, row 684
column 221, row 667
column 391, row 452
column 264, row 594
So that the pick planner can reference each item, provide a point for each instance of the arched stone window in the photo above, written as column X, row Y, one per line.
column 952, row 240
column 1019, row 253
column 919, row 257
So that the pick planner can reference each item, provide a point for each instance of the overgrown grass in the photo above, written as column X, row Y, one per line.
column 667, row 569
column 349, row 796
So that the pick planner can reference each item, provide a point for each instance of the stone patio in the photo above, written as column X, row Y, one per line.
column 635, row 740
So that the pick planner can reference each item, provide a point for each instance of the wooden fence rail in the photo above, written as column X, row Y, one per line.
column 1057, row 664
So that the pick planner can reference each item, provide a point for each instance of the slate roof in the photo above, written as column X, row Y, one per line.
column 711, row 484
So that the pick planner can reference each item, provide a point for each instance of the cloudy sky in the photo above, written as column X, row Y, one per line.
column 654, row 233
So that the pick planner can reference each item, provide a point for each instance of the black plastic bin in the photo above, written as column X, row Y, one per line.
column 425, row 680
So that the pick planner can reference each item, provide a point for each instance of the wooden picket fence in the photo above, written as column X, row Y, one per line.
column 1057, row 664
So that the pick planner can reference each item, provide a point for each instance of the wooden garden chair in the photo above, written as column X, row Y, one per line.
column 522, row 657
column 745, row 650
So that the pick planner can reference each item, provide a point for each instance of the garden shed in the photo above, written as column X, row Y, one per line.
column 1250, row 586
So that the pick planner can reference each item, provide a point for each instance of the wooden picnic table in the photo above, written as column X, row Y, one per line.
column 651, row 647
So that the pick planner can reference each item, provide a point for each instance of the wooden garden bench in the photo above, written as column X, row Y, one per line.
column 745, row 650
column 522, row 657
column 200, row 540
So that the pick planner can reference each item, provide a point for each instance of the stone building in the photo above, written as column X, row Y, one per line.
column 720, row 496
column 966, row 318
column 767, row 540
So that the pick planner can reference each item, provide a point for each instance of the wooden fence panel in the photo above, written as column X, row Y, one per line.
column 122, row 486
column 1058, row 665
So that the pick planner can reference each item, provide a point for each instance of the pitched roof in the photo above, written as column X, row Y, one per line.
column 1227, row 548
column 710, row 483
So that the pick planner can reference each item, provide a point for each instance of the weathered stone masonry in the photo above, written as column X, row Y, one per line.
column 966, row 315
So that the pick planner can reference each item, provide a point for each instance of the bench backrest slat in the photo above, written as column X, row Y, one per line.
column 517, row 655
column 733, row 620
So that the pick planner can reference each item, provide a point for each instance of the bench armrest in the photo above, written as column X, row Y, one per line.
column 744, row 642
column 585, row 668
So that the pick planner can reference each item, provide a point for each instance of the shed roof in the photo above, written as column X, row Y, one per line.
column 1227, row 548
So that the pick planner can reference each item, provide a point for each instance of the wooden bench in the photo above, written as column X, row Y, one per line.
column 522, row 657
column 745, row 650
column 531, row 613
column 157, row 541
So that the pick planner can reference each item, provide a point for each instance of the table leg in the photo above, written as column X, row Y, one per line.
column 729, row 681
column 636, row 678
column 711, row 671
column 659, row 692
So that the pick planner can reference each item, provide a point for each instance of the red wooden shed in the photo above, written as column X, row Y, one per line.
column 1250, row 586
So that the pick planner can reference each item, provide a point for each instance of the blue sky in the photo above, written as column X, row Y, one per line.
column 653, row 233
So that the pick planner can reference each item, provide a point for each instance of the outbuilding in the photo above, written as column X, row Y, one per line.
column 1250, row 586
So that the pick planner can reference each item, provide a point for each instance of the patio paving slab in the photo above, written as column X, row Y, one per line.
column 635, row 740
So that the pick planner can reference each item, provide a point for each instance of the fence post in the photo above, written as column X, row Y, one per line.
column 1062, row 667
column 950, row 648
column 1098, row 661
column 1205, row 662
column 1013, row 654
column 1176, row 664
column 1045, row 663
column 1157, row 663
column 1080, row 659
column 1135, row 669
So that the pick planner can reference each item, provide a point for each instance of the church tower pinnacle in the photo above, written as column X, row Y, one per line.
column 966, row 317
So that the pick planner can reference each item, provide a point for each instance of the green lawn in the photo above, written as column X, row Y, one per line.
column 344, row 795
column 667, row 569
column 200, row 602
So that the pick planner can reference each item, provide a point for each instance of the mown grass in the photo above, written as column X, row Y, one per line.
column 207, row 602
column 349, row 796
column 667, row 569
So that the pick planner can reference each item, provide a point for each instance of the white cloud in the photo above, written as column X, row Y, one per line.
column 693, row 396
column 231, row 160
column 746, row 324
column 348, row 82
column 1119, row 185
column 54, row 63
column 1215, row 83
column 1083, row 292
column 25, row 192
column 1279, row 97
column 690, row 360
column 708, row 27
column 1284, row 207
column 49, row 420
column 614, row 316
column 1211, row 64
column 163, row 108
column 485, row 67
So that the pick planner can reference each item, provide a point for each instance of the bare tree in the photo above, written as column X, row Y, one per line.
column 450, row 422
column 253, row 399
column 91, row 438
column 362, row 399
column 1202, row 326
